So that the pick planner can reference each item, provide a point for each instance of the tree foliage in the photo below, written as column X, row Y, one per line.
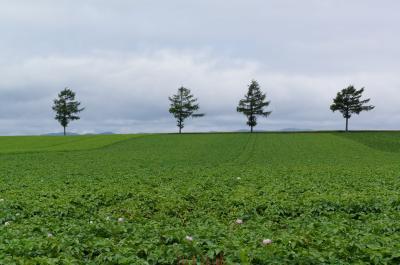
column 66, row 108
column 183, row 106
column 348, row 102
column 253, row 104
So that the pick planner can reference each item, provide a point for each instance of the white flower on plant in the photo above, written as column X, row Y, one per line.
column 108, row 218
column 189, row 238
column 90, row 222
column 7, row 223
column 267, row 242
column 239, row 221
column 17, row 214
column 121, row 220
column 49, row 235
column 238, row 178
column 1, row 200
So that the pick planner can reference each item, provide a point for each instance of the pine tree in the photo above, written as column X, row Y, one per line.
column 348, row 102
column 183, row 105
column 66, row 108
column 253, row 104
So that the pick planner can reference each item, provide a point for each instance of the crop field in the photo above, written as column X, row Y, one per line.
column 321, row 198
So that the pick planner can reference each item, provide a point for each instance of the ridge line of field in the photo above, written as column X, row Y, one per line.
column 47, row 149
column 65, row 143
column 366, row 145
column 120, row 141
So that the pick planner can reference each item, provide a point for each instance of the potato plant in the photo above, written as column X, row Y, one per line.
column 270, row 198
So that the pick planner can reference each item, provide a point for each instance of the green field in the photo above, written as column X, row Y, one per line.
column 322, row 198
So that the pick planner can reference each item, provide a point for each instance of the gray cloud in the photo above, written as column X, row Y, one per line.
column 124, row 58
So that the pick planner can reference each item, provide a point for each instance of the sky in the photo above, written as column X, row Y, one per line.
column 123, row 58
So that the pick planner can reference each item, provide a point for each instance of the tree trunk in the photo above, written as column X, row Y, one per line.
column 347, row 118
column 180, row 124
column 65, row 133
column 251, row 129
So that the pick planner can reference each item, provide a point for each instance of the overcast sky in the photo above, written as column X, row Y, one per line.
column 124, row 58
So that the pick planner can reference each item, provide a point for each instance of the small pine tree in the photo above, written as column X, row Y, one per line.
column 348, row 102
column 183, row 105
column 253, row 104
column 66, row 108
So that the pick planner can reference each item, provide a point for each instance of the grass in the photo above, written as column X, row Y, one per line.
column 328, row 198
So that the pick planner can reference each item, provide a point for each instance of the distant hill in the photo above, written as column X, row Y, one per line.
column 282, row 130
column 75, row 134
column 60, row 134
column 248, row 130
column 106, row 133
column 295, row 130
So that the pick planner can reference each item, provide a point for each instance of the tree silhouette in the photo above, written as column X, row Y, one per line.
column 253, row 104
column 348, row 102
column 66, row 108
column 183, row 105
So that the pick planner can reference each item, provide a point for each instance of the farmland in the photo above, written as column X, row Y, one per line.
column 328, row 198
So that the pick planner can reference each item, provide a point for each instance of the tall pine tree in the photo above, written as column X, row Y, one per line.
column 348, row 102
column 253, row 104
column 66, row 108
column 183, row 105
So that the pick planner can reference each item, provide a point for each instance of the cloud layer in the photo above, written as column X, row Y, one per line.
column 124, row 58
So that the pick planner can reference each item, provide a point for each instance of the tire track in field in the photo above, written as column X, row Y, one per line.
column 121, row 141
column 247, row 153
